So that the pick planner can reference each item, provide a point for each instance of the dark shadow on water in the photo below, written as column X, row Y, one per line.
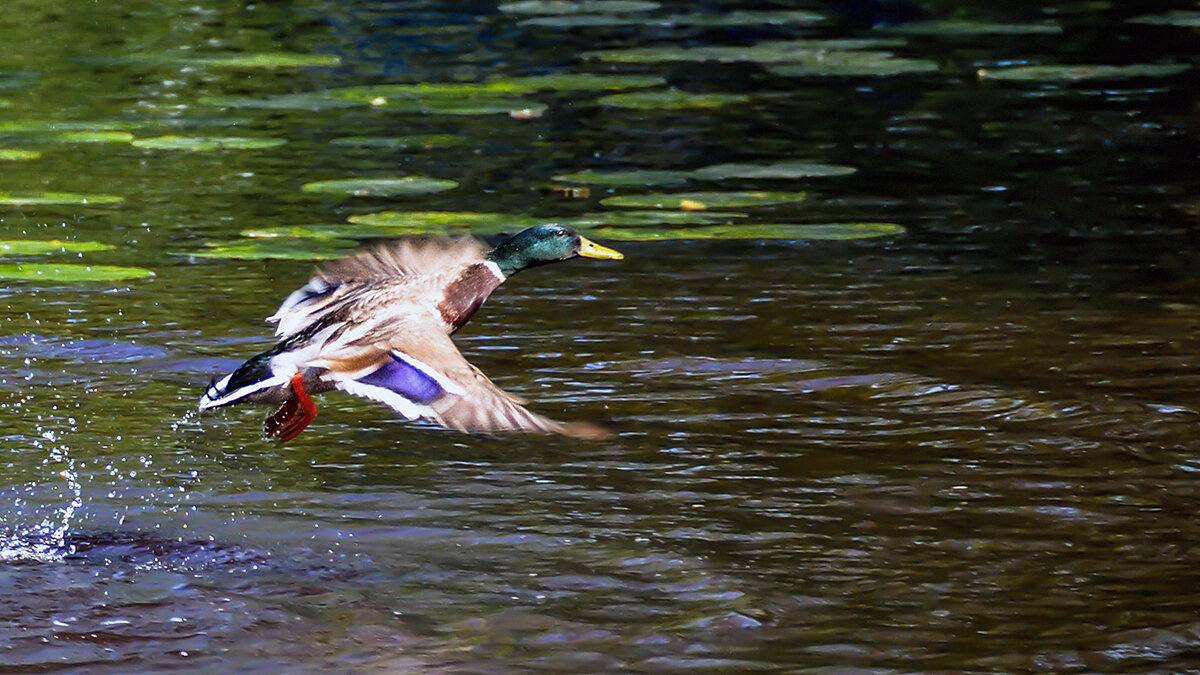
column 139, row 549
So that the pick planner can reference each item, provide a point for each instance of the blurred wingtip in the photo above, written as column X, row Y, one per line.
column 587, row 431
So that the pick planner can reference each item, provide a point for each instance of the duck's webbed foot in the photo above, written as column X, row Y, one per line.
column 294, row 415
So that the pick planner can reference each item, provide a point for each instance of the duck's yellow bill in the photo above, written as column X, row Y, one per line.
column 590, row 249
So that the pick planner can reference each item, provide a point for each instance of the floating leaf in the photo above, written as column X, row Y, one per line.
column 696, row 201
column 34, row 126
column 953, row 27
column 293, row 249
column 263, row 60
column 207, row 143
column 773, row 51
column 14, row 155
column 56, row 198
column 450, row 105
column 657, row 217
column 428, row 221
column 670, row 100
column 707, row 20
column 65, row 272
column 1081, row 73
column 577, row 6
column 854, row 64
column 632, row 178
column 571, row 82
column 1180, row 18
column 828, row 231
column 311, row 101
column 776, row 170
column 80, row 136
column 424, row 141
column 490, row 91
column 43, row 246
column 404, row 186
column 336, row 231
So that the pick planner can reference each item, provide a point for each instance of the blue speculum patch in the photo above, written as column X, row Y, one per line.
column 406, row 380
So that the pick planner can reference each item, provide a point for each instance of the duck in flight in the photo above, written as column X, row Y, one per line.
column 378, row 325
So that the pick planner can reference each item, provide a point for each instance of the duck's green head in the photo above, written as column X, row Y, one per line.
column 545, row 244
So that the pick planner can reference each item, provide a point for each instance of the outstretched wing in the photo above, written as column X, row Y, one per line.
column 423, row 375
column 430, row 263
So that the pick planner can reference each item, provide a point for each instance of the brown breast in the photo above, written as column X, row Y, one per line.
column 465, row 294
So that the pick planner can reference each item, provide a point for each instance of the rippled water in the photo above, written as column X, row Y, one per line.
column 972, row 448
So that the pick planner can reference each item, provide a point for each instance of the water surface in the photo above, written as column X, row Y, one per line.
column 970, row 448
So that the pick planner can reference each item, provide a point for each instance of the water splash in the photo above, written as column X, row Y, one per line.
column 47, row 541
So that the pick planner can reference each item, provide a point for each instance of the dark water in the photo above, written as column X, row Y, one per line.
column 971, row 448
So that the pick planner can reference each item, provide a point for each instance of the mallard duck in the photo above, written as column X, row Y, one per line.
column 378, row 325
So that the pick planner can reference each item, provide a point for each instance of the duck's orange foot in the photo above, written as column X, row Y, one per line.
column 294, row 415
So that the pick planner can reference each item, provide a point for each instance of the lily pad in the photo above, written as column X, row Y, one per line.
column 854, row 64
column 423, row 141
column 432, row 221
column 75, row 136
column 404, row 186
column 958, row 27
column 65, row 272
column 772, row 51
column 577, row 6
column 699, row 201
column 827, row 231
column 16, row 155
column 1082, row 73
column 632, row 178
column 646, row 218
column 706, row 20
column 670, row 99
column 281, row 249
column 309, row 101
column 461, row 105
column 776, row 170
column 57, row 198
column 35, row 126
column 264, row 60
column 1181, row 18
column 494, row 90
column 572, row 82
column 43, row 246
column 207, row 143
